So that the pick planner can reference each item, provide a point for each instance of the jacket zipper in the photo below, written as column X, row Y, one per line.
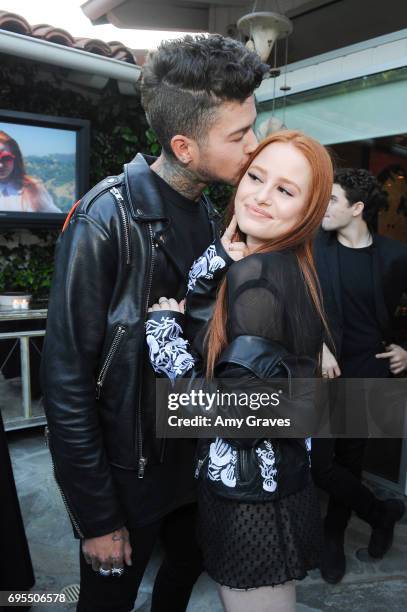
column 142, row 461
column 120, row 331
column 123, row 215
column 242, row 460
column 199, row 465
column 283, row 363
column 68, row 509
column 214, row 226
column 238, row 467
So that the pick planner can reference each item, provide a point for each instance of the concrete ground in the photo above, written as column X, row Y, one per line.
column 369, row 586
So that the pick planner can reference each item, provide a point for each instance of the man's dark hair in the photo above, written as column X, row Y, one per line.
column 361, row 186
column 186, row 80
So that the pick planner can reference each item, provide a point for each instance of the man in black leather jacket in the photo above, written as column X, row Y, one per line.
column 131, row 239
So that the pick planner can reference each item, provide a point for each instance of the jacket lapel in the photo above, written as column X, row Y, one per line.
column 146, row 204
column 143, row 194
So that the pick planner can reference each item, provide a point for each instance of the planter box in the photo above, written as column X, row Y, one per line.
column 15, row 300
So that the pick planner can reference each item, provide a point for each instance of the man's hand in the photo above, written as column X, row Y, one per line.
column 171, row 304
column 235, row 250
column 330, row 367
column 397, row 356
column 108, row 552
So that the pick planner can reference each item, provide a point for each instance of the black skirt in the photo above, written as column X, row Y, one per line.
column 260, row 544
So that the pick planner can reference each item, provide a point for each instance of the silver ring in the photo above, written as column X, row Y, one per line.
column 105, row 572
column 117, row 571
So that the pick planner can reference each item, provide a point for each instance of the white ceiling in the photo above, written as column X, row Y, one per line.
column 319, row 25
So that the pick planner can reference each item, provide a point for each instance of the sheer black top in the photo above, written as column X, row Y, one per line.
column 267, row 297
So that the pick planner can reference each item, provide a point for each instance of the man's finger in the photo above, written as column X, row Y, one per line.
column 173, row 304
column 337, row 370
column 95, row 564
column 117, row 562
column 87, row 558
column 398, row 365
column 383, row 355
column 127, row 554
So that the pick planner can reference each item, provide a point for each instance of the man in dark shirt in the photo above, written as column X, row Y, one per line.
column 362, row 277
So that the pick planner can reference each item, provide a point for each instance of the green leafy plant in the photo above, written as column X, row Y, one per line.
column 27, row 267
column 153, row 144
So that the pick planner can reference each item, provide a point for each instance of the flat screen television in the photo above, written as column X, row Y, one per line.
column 44, row 168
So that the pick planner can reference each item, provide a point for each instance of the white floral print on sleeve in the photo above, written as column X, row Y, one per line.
column 267, row 463
column 222, row 463
column 168, row 350
column 205, row 266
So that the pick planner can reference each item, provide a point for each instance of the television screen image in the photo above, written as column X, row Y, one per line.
column 43, row 166
column 37, row 168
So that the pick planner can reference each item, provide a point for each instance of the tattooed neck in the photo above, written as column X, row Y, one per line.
column 178, row 177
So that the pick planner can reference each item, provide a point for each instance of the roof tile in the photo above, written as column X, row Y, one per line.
column 55, row 35
column 16, row 23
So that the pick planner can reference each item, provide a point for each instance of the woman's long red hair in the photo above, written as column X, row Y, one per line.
column 31, row 194
column 299, row 238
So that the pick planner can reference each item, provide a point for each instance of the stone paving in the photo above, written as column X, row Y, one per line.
column 369, row 586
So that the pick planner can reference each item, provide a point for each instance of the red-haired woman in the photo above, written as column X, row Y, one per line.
column 18, row 191
column 259, row 518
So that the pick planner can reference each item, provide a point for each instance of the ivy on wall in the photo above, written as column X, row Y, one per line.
column 27, row 261
column 118, row 131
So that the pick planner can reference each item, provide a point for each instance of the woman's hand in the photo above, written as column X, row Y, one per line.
column 330, row 367
column 235, row 250
column 168, row 304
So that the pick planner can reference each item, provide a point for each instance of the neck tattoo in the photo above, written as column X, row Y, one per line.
column 179, row 178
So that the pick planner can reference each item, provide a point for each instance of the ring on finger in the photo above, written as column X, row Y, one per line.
column 117, row 571
column 105, row 572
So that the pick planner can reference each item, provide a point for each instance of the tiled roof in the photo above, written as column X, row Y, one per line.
column 116, row 50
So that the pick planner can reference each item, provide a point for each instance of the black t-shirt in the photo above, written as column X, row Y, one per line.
column 190, row 220
column 362, row 335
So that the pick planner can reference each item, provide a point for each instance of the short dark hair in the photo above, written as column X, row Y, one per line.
column 361, row 186
column 185, row 80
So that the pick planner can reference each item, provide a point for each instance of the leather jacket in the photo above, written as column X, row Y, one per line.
column 240, row 469
column 94, row 352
